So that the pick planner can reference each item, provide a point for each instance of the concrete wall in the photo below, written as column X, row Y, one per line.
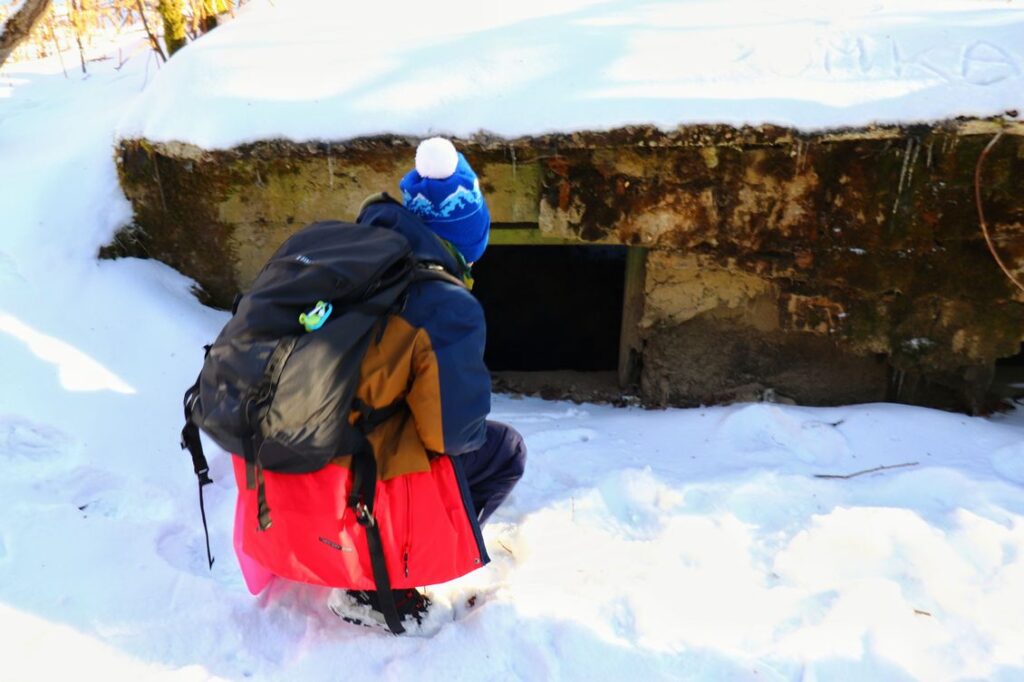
column 828, row 268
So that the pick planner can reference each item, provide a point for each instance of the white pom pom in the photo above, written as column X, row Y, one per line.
column 436, row 158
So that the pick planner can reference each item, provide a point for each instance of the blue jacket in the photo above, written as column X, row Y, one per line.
column 443, row 332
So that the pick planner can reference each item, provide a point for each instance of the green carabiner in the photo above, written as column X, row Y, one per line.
column 316, row 317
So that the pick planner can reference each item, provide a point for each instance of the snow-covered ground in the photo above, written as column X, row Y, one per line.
column 322, row 69
column 672, row 545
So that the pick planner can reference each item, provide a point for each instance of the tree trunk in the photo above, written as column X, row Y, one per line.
column 174, row 25
column 20, row 25
column 78, row 25
column 56, row 43
column 211, row 10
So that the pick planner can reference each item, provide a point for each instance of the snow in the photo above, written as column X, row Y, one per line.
column 320, row 69
column 656, row 545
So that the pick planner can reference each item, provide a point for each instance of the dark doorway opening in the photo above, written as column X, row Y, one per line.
column 1008, row 381
column 552, row 308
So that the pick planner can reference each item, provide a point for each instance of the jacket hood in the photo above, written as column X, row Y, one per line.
column 383, row 211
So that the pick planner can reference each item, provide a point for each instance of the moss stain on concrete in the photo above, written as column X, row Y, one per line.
column 861, row 248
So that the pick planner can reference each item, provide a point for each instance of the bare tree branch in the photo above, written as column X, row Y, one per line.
column 20, row 25
column 981, row 211
column 56, row 43
column 868, row 471
column 152, row 38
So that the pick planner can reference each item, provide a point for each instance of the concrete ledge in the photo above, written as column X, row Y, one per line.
column 843, row 265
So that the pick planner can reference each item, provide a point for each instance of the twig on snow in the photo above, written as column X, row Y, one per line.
column 868, row 471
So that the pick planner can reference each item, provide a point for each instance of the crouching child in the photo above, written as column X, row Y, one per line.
column 350, row 387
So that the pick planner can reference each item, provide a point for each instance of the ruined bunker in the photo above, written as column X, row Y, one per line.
column 703, row 265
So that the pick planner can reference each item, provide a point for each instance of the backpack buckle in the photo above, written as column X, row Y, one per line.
column 363, row 515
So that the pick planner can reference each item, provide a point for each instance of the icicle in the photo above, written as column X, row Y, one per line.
column 897, row 379
column 913, row 162
column 801, row 154
column 903, row 175
column 159, row 182
column 907, row 154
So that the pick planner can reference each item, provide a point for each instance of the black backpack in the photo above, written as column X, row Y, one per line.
column 278, row 385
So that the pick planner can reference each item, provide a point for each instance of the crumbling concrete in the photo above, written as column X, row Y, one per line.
column 828, row 268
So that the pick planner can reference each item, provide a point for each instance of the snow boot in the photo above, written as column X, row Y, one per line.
column 362, row 607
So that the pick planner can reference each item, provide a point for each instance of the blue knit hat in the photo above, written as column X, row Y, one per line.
column 445, row 192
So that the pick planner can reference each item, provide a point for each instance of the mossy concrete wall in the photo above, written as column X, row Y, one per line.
column 829, row 268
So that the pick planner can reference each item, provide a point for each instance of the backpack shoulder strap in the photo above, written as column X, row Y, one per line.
column 373, row 199
column 190, row 441
column 429, row 270
column 362, row 496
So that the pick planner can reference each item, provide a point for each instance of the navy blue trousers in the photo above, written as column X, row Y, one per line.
column 493, row 470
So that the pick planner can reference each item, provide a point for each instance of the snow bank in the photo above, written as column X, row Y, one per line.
column 681, row 544
column 320, row 69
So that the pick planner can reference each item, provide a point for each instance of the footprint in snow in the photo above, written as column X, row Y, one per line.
column 1008, row 462
column 622, row 618
column 25, row 444
column 767, row 427
column 184, row 549
column 639, row 502
column 9, row 270
column 102, row 494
